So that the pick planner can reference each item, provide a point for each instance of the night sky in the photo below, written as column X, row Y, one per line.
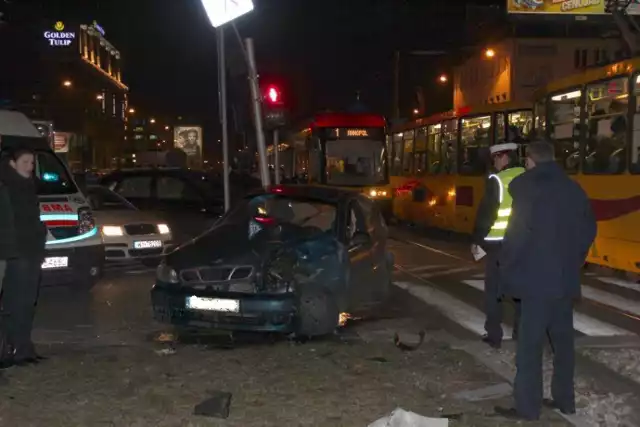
column 321, row 52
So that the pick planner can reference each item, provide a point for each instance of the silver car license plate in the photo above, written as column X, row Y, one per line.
column 147, row 244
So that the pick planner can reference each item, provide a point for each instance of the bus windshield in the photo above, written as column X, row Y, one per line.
column 356, row 162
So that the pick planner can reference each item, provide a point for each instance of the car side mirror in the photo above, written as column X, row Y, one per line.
column 360, row 239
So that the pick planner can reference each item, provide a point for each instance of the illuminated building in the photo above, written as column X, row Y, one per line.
column 71, row 75
column 511, row 70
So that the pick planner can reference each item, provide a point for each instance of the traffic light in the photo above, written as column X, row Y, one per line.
column 274, row 108
column 273, row 95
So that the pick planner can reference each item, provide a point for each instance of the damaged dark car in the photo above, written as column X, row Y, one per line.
column 290, row 260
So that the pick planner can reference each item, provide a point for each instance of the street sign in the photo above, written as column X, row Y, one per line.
column 222, row 11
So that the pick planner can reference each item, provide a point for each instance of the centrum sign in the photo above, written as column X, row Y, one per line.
column 565, row 7
column 222, row 11
column 59, row 37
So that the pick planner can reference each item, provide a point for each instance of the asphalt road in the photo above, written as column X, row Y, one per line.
column 438, row 288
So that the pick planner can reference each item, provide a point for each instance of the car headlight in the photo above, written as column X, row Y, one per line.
column 112, row 230
column 163, row 229
column 166, row 274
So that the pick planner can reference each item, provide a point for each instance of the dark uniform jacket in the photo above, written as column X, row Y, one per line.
column 7, row 228
column 30, row 232
column 550, row 231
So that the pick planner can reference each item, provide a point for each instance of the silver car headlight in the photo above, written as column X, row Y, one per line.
column 163, row 229
column 166, row 274
column 112, row 230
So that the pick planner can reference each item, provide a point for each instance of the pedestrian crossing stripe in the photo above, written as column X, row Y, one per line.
column 581, row 322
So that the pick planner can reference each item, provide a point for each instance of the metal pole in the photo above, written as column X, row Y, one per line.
column 222, row 81
column 276, row 156
column 257, row 114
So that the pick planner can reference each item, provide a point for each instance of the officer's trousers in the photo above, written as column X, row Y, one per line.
column 542, row 318
column 493, row 298
column 20, row 294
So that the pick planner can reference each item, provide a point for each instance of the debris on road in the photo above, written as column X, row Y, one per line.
column 216, row 406
column 166, row 351
column 402, row 418
column 408, row 347
column 495, row 391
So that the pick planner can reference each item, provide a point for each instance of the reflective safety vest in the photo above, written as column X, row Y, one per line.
column 504, row 178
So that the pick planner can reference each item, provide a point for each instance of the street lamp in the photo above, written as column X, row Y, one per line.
column 152, row 121
column 132, row 110
column 99, row 97
column 443, row 78
column 416, row 111
column 166, row 128
column 489, row 53
column 67, row 83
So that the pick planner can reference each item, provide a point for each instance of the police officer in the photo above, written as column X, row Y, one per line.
column 491, row 222
column 543, row 252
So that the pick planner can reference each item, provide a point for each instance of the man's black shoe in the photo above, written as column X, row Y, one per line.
column 492, row 343
column 551, row 404
column 511, row 413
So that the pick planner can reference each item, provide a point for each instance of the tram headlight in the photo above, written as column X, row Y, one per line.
column 373, row 193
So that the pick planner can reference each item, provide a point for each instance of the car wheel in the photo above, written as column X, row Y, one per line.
column 317, row 313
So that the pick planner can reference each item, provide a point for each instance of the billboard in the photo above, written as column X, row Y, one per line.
column 188, row 139
column 565, row 7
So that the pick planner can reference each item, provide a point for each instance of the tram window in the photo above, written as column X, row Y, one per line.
column 607, row 107
column 500, row 128
column 520, row 126
column 407, row 156
column 635, row 140
column 434, row 148
column 474, row 142
column 564, row 127
column 420, row 152
column 397, row 154
column 449, row 150
column 541, row 116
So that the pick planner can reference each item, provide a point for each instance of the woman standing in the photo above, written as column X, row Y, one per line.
column 22, row 276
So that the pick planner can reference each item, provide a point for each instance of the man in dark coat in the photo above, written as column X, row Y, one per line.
column 544, row 249
column 7, row 252
column 22, row 278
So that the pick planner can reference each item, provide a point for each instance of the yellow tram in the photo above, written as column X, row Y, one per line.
column 439, row 163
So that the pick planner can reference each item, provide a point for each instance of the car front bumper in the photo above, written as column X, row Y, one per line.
column 79, row 260
column 123, row 248
column 260, row 313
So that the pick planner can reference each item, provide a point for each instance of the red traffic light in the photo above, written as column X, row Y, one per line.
column 273, row 95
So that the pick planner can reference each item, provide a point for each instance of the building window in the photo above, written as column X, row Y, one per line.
column 113, row 105
column 584, row 58
column 576, row 58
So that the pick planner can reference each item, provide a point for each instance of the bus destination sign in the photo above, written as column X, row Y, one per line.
column 355, row 133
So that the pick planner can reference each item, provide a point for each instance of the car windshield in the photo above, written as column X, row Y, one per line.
column 103, row 199
column 272, row 209
column 355, row 163
column 53, row 176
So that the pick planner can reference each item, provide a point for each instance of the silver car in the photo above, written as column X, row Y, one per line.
column 128, row 233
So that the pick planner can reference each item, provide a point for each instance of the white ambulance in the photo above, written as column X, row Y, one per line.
column 74, row 248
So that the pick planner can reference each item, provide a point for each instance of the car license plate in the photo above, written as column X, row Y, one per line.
column 55, row 262
column 147, row 244
column 213, row 304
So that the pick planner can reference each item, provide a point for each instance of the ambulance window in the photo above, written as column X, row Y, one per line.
column 607, row 107
column 52, row 176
